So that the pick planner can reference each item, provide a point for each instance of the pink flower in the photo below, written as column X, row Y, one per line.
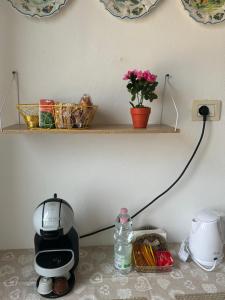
column 128, row 75
column 152, row 78
column 146, row 74
column 135, row 72
column 139, row 74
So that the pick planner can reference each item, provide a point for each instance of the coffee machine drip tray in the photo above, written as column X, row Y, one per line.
column 54, row 263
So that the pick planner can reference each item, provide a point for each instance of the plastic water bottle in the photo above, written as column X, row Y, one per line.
column 123, row 242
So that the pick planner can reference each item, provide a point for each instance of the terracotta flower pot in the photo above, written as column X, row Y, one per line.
column 140, row 116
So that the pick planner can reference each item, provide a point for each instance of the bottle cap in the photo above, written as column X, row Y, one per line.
column 123, row 220
column 124, row 211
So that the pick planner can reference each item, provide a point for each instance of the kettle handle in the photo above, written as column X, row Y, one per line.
column 222, row 228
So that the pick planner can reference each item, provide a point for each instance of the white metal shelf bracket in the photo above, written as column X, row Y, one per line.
column 167, row 88
column 15, row 76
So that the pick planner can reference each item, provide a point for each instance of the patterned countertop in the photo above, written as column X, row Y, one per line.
column 96, row 278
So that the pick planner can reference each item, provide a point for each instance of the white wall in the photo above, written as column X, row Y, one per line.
column 85, row 49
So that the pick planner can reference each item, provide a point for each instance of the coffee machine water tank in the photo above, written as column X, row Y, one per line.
column 53, row 214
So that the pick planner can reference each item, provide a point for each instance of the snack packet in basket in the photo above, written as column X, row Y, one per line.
column 66, row 115
column 58, row 114
column 46, row 113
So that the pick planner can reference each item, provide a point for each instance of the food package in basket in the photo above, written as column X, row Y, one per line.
column 46, row 113
column 71, row 115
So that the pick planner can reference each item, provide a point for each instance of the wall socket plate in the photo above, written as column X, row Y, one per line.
column 214, row 109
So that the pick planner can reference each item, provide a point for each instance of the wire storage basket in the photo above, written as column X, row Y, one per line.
column 57, row 115
column 144, row 259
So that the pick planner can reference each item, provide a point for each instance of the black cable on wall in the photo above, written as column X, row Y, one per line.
column 204, row 111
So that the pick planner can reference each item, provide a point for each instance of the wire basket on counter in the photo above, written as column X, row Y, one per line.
column 59, row 116
column 143, row 253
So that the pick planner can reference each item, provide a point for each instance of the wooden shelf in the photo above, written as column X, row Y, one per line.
column 96, row 129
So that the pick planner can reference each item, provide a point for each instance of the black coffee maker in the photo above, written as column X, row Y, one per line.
column 56, row 247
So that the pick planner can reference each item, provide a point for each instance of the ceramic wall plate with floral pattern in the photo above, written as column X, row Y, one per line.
column 38, row 8
column 129, row 8
column 206, row 11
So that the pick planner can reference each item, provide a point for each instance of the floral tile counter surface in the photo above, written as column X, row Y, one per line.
column 96, row 278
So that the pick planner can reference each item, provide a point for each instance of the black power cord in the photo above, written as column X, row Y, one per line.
column 203, row 111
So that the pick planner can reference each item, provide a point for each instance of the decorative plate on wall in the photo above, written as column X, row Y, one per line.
column 206, row 11
column 38, row 8
column 129, row 8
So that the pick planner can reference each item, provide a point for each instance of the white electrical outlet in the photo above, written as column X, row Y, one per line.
column 214, row 109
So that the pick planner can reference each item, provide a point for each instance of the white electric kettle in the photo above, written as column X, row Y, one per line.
column 206, row 240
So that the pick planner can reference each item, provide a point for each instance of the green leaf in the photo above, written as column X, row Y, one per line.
column 146, row 96
column 129, row 86
column 154, row 96
column 133, row 97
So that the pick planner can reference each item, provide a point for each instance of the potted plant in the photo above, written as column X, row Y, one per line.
column 141, row 85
